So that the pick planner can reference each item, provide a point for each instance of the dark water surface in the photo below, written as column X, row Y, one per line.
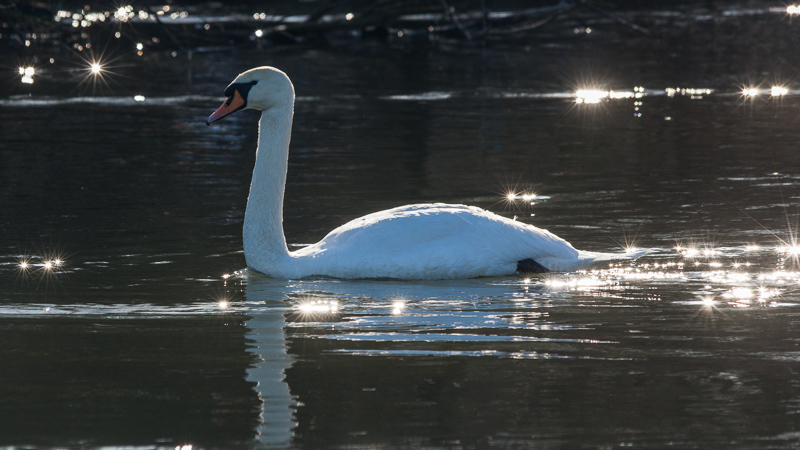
column 146, row 331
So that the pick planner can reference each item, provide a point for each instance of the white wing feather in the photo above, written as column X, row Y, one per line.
column 436, row 241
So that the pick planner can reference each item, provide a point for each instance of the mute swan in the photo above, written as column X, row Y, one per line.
column 424, row 241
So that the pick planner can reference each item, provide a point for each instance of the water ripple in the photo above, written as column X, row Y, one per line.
column 119, row 311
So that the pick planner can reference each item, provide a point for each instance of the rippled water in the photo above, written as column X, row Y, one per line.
column 136, row 324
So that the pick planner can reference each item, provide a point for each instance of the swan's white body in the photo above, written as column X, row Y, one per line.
column 426, row 241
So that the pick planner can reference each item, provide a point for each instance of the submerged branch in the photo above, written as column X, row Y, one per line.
column 469, row 20
column 418, row 18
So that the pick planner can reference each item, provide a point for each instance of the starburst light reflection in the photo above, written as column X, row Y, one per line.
column 27, row 74
column 689, row 252
column 398, row 306
column 124, row 13
column 96, row 71
column 716, row 279
column 777, row 91
column 44, row 268
column 750, row 92
column 630, row 249
column 310, row 307
column 590, row 96
column 791, row 250
column 514, row 196
column 741, row 293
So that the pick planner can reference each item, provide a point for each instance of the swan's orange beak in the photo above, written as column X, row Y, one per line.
column 234, row 103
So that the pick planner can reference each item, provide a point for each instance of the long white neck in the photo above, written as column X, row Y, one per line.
column 264, row 243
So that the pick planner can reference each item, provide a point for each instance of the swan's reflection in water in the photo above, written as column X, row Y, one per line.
column 266, row 324
column 376, row 311
column 318, row 389
column 511, row 361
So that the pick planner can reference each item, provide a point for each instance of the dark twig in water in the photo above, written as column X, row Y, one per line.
column 456, row 19
column 451, row 13
column 165, row 29
column 617, row 18
column 530, row 26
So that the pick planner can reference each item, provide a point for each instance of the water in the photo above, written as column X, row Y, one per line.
column 149, row 333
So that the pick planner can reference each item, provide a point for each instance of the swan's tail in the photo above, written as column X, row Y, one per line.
column 587, row 260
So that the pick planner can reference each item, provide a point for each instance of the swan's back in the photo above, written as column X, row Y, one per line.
column 434, row 241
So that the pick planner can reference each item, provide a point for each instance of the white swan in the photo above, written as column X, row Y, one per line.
column 425, row 241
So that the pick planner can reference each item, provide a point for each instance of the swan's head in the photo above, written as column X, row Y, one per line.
column 261, row 88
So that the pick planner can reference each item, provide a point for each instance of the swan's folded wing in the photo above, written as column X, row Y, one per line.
column 435, row 241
